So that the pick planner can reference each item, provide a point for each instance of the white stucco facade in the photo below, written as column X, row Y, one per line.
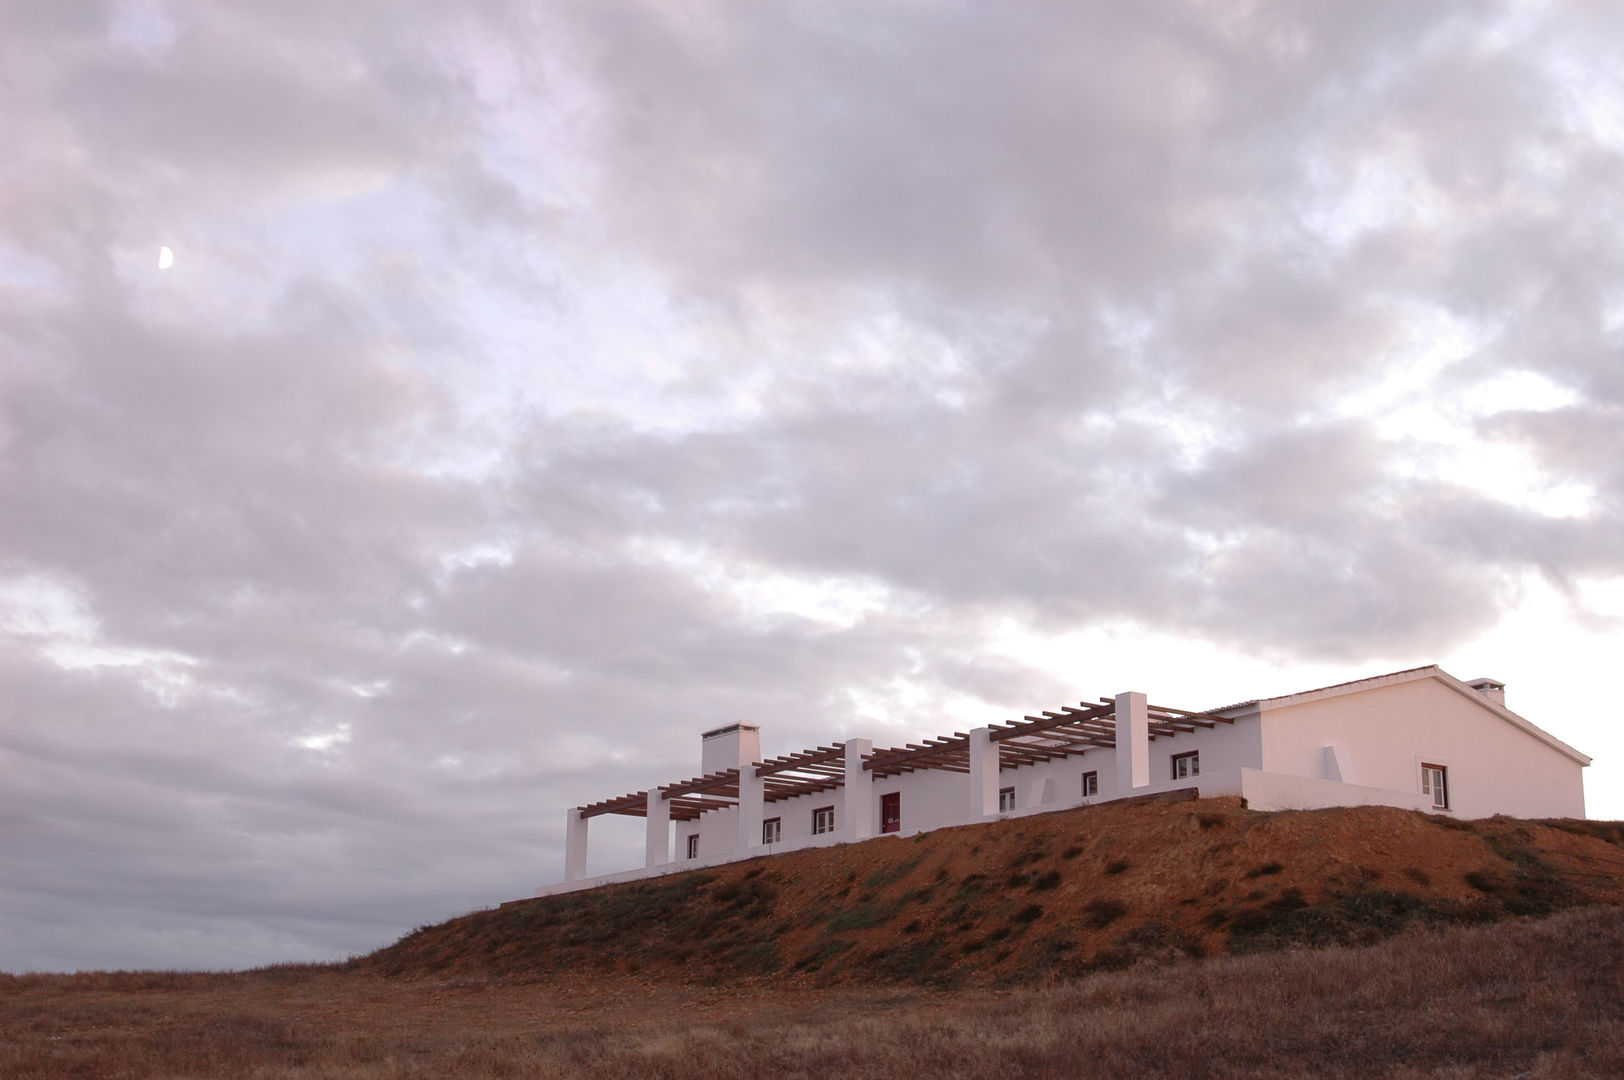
column 1419, row 739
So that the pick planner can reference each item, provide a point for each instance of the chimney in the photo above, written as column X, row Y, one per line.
column 730, row 747
column 1493, row 689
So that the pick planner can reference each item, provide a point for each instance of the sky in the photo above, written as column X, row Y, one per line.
column 533, row 386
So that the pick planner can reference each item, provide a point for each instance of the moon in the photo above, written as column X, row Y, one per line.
column 166, row 258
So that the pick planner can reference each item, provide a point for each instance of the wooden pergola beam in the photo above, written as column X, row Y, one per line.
column 791, row 762
column 1213, row 718
column 634, row 804
column 916, row 755
column 1065, row 717
column 1031, row 740
column 811, row 787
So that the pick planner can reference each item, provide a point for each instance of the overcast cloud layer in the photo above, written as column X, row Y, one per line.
column 535, row 387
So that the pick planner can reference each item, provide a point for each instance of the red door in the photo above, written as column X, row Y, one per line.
column 891, row 812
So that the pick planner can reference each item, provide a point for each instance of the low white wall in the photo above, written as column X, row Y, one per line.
column 682, row 865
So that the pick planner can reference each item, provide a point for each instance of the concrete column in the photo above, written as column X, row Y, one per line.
column 574, row 845
column 752, row 806
column 1041, row 792
column 658, row 846
column 857, row 820
column 1132, row 742
column 983, row 774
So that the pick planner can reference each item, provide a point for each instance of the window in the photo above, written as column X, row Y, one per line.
column 891, row 812
column 1435, row 782
column 693, row 846
column 1006, row 799
column 1091, row 784
column 772, row 830
column 1186, row 765
column 823, row 820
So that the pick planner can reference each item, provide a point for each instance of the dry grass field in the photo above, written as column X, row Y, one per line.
column 1527, row 998
column 1161, row 939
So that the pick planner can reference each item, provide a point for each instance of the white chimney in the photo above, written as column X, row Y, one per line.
column 1493, row 689
column 731, row 747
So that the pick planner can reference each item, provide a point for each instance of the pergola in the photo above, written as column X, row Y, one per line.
column 1028, row 741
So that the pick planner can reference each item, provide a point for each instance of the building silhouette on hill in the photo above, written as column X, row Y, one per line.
column 1419, row 739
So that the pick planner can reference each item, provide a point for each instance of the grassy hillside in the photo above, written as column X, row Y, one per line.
column 1063, row 894
column 838, row 962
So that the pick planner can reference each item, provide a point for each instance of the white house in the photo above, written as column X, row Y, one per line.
column 1420, row 739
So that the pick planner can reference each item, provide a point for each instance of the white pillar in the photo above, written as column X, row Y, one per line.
column 983, row 774
column 658, row 845
column 574, row 845
column 752, row 806
column 857, row 822
column 1132, row 742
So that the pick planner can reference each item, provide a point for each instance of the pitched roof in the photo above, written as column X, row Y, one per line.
column 1429, row 671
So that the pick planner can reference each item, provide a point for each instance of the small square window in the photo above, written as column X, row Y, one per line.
column 1091, row 784
column 1435, row 782
column 693, row 846
column 1006, row 799
column 823, row 820
column 1186, row 765
column 772, row 830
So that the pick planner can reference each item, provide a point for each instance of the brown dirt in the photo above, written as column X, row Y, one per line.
column 1054, row 895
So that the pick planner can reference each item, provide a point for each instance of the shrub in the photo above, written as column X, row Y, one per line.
column 1102, row 913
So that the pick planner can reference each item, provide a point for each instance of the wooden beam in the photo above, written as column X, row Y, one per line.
column 1066, row 717
column 709, row 782
column 888, row 760
column 1214, row 717
column 634, row 805
column 791, row 762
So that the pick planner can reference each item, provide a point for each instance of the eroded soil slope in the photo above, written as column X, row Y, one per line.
column 1064, row 893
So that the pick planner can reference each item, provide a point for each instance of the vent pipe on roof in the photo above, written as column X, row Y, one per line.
column 1493, row 689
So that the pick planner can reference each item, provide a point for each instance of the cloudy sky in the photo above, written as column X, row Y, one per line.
column 535, row 386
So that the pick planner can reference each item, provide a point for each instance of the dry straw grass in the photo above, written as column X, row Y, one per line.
column 1532, row 999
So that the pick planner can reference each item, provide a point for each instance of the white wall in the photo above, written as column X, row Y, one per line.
column 1383, row 734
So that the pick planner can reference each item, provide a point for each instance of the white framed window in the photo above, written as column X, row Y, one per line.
column 772, row 830
column 823, row 820
column 693, row 846
column 1435, row 783
column 1006, row 799
column 1091, row 784
column 1185, row 765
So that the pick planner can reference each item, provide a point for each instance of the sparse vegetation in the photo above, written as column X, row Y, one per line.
column 1098, row 914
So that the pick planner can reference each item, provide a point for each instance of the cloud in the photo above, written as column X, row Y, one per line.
column 540, row 387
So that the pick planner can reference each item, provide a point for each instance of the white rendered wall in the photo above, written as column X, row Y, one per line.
column 1382, row 735
column 1222, row 747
